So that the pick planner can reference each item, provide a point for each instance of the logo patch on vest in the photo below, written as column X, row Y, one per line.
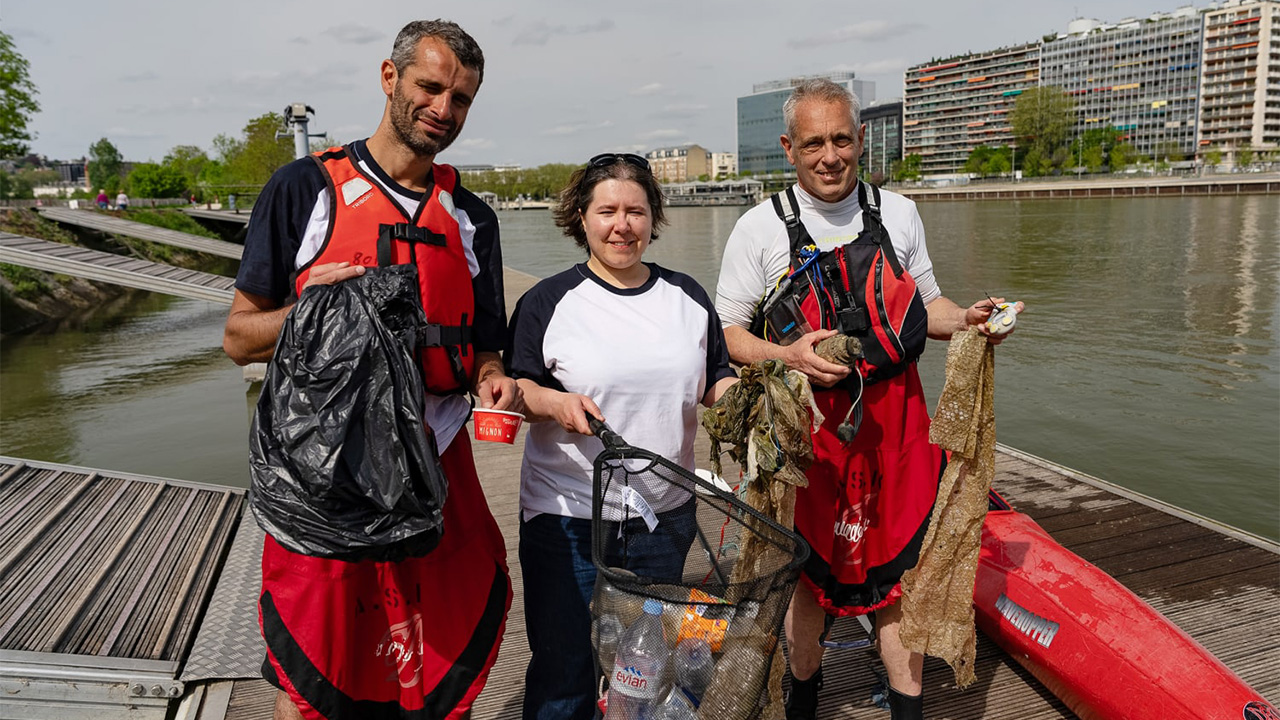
column 355, row 189
column 446, row 202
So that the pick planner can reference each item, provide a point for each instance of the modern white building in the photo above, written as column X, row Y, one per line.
column 1240, row 79
column 1139, row 75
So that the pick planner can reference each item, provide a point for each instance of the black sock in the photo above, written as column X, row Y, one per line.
column 905, row 707
column 802, row 701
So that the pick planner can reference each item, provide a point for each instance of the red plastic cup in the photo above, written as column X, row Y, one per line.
column 496, row 425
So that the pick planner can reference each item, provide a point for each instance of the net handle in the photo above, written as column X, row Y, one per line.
column 606, row 434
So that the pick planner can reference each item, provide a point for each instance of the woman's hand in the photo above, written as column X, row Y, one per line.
column 571, row 409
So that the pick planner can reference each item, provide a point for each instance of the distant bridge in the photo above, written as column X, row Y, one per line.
column 119, row 226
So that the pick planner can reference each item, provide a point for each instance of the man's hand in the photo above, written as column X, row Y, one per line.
column 978, row 313
column 331, row 273
column 499, row 392
column 799, row 355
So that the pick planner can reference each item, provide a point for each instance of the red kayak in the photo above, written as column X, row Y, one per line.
column 1093, row 643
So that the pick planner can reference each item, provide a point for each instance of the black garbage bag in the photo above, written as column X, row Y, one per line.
column 341, row 462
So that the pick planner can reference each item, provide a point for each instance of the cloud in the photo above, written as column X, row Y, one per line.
column 503, row 21
column 476, row 144
column 664, row 134
column 869, row 30
column 139, row 77
column 575, row 128
column 181, row 105
column 888, row 66
column 124, row 133
column 20, row 33
column 683, row 110
column 540, row 32
column 354, row 34
column 650, row 89
column 301, row 40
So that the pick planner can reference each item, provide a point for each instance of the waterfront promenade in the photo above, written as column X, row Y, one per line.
column 1100, row 186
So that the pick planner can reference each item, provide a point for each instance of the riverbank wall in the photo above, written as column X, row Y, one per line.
column 1109, row 187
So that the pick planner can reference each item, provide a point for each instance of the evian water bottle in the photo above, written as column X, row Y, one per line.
column 639, row 668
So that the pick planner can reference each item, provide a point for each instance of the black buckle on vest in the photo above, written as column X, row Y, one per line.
column 432, row 335
column 408, row 232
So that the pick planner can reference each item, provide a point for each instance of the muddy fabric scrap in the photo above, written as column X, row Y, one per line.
column 937, row 603
column 766, row 419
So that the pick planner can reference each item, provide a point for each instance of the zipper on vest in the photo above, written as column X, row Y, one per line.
column 884, row 311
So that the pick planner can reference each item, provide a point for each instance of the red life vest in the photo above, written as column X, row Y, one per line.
column 368, row 227
column 860, row 289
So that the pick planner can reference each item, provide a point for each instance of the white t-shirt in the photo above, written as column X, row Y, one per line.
column 645, row 355
column 758, row 250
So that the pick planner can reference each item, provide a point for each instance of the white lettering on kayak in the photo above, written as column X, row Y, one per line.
column 1027, row 622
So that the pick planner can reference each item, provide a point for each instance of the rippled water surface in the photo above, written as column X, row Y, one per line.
column 1148, row 355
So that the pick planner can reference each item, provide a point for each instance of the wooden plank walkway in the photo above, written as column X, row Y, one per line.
column 241, row 218
column 103, row 579
column 119, row 269
column 95, row 220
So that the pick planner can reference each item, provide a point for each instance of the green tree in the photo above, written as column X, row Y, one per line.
column 1093, row 159
column 1121, row 156
column 987, row 161
column 105, row 166
column 1041, row 119
column 1213, row 158
column 908, row 168
column 150, row 180
column 1035, row 164
column 252, row 160
column 17, row 100
column 1244, row 156
column 188, row 160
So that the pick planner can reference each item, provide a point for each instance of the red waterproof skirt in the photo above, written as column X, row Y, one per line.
column 867, row 506
column 409, row 639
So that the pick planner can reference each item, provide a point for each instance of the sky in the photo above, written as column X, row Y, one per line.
column 564, row 79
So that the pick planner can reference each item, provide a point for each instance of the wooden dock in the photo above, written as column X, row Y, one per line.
column 102, row 222
column 119, row 269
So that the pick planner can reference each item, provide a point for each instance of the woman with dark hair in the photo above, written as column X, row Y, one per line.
column 621, row 340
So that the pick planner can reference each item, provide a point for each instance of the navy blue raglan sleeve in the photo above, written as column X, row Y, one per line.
column 280, row 216
column 717, row 350
column 490, row 326
column 523, row 355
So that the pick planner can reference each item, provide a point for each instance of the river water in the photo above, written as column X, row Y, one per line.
column 1148, row 355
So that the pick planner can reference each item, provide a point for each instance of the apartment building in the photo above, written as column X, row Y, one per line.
column 882, row 144
column 952, row 106
column 723, row 165
column 679, row 164
column 1139, row 76
column 760, row 119
column 1240, row 79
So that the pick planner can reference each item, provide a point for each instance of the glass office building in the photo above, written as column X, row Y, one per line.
column 882, row 144
column 760, row 120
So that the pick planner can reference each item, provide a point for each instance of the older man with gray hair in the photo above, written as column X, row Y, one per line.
column 833, row 255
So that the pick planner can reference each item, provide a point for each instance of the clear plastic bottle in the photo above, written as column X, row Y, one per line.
column 609, row 600
column 675, row 706
column 606, row 631
column 693, row 666
column 639, row 668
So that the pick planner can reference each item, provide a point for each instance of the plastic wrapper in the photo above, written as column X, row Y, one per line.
column 341, row 462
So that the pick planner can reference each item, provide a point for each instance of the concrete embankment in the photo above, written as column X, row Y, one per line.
column 1241, row 184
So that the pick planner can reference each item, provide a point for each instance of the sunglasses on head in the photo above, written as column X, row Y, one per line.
column 606, row 159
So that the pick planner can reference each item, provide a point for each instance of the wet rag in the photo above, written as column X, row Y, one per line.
column 937, row 604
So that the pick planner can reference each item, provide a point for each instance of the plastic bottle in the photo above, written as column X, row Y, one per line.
column 693, row 666
column 736, row 683
column 606, row 631
column 609, row 600
column 639, row 668
column 675, row 706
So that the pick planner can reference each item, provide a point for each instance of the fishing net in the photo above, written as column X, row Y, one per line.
column 722, row 571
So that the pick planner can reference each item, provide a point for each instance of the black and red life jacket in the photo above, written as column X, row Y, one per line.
column 368, row 227
column 860, row 289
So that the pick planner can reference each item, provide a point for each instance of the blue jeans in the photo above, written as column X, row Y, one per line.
column 559, row 579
